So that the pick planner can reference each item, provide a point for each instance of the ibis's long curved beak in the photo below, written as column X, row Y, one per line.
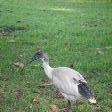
column 35, row 57
column 29, row 62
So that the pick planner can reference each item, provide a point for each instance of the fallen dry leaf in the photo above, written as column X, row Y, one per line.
column 30, row 106
column 36, row 101
column 59, row 95
column 18, row 94
column 19, row 64
column 2, row 96
column 53, row 108
column 11, row 41
column 108, row 47
column 99, row 51
column 21, row 55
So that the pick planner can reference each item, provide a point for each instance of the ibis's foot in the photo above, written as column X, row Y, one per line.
column 65, row 110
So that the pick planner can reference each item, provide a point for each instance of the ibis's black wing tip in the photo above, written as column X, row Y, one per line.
column 84, row 90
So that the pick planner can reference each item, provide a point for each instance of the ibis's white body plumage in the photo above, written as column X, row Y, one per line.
column 66, row 80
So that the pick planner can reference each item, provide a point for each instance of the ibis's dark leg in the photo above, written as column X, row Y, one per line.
column 69, row 105
column 68, row 109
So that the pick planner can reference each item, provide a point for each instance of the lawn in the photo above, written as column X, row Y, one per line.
column 75, row 33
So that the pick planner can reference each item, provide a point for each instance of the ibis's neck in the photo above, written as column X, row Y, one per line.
column 47, row 69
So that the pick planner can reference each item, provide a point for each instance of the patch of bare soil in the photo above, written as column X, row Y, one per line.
column 92, row 23
column 6, row 30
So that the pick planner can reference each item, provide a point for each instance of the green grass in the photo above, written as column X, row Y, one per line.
column 75, row 33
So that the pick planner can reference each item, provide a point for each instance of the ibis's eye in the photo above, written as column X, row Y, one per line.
column 39, row 54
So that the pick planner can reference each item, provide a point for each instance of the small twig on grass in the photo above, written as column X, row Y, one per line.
column 43, row 85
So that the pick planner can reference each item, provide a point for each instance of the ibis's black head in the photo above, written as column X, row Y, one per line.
column 39, row 55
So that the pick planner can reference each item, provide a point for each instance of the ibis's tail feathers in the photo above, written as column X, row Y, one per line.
column 92, row 100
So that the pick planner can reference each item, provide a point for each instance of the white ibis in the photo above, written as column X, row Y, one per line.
column 70, row 83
